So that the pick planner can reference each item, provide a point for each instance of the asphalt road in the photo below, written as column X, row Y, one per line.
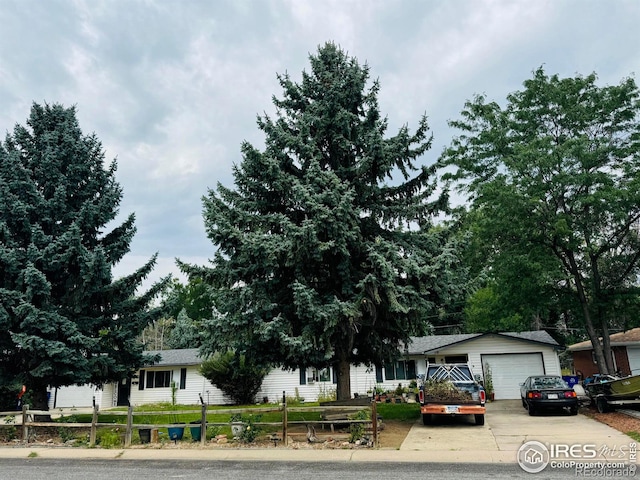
column 50, row 469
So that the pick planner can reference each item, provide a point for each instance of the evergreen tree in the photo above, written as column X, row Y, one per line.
column 326, row 254
column 66, row 320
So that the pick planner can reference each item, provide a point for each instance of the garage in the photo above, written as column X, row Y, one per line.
column 509, row 370
column 633, row 354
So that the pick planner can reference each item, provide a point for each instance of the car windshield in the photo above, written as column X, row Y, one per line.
column 549, row 382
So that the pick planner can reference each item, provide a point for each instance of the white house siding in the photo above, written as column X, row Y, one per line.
column 195, row 385
column 287, row 381
column 80, row 396
column 633, row 354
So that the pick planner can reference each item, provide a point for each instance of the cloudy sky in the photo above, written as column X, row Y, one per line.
column 172, row 87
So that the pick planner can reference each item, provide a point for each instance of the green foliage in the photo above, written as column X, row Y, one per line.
column 238, row 377
column 250, row 430
column 109, row 439
column 357, row 430
column 488, row 379
column 69, row 322
column 325, row 251
column 326, row 394
column 487, row 311
column 296, row 399
column 8, row 431
column 554, row 179
column 67, row 433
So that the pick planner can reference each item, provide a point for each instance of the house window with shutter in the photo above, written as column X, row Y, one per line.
column 158, row 378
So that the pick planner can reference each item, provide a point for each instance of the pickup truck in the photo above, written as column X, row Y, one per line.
column 450, row 389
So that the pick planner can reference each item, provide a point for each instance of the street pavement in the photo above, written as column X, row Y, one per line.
column 507, row 427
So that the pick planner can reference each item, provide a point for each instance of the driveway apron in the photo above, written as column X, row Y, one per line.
column 507, row 427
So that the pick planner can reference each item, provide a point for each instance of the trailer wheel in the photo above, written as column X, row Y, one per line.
column 602, row 405
column 479, row 419
column 426, row 419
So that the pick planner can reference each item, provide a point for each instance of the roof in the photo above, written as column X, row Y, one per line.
column 629, row 337
column 185, row 356
column 422, row 345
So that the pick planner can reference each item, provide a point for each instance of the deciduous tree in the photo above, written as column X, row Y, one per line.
column 558, row 168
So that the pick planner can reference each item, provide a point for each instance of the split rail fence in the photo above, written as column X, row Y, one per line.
column 330, row 415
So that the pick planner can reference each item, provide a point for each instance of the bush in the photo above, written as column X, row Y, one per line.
column 234, row 374
column 250, row 430
column 356, row 430
column 109, row 439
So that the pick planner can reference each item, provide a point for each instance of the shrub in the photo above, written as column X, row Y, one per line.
column 326, row 394
column 250, row 430
column 234, row 374
column 356, row 430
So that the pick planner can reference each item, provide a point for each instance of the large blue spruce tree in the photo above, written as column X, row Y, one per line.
column 63, row 318
column 326, row 253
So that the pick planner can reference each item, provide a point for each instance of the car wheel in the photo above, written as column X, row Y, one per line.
column 479, row 419
column 573, row 410
column 532, row 411
column 426, row 419
column 524, row 403
column 602, row 405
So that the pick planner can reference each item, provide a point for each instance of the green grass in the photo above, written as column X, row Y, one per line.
column 634, row 435
column 403, row 412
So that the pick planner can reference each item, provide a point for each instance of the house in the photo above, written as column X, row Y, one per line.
column 625, row 350
column 511, row 357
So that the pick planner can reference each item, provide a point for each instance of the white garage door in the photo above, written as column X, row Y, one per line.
column 510, row 370
column 633, row 353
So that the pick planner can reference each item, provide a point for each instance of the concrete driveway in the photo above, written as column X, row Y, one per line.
column 507, row 426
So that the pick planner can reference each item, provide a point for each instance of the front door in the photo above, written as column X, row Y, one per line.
column 124, row 391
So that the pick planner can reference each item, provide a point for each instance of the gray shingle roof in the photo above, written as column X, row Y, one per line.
column 186, row 356
column 421, row 345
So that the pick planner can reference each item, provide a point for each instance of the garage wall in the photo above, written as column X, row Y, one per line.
column 497, row 344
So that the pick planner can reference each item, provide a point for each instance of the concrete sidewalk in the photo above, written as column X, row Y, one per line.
column 507, row 427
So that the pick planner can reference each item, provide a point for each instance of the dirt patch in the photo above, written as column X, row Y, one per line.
column 620, row 421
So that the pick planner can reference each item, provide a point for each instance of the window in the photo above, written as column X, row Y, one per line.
column 158, row 378
column 183, row 378
column 455, row 359
column 400, row 370
column 312, row 375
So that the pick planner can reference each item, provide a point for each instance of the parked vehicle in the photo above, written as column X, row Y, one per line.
column 610, row 391
column 548, row 392
column 450, row 390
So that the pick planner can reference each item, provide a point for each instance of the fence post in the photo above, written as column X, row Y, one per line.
column 25, row 426
column 127, row 434
column 203, row 425
column 94, row 426
column 285, row 438
column 374, row 422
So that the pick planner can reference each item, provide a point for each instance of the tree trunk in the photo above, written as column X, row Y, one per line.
column 38, row 401
column 343, row 385
column 603, row 365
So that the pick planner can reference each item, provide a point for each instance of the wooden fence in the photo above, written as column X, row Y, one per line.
column 331, row 415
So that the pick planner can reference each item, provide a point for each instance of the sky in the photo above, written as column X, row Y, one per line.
column 173, row 87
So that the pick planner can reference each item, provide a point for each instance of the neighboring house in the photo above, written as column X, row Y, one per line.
column 625, row 350
column 512, row 357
